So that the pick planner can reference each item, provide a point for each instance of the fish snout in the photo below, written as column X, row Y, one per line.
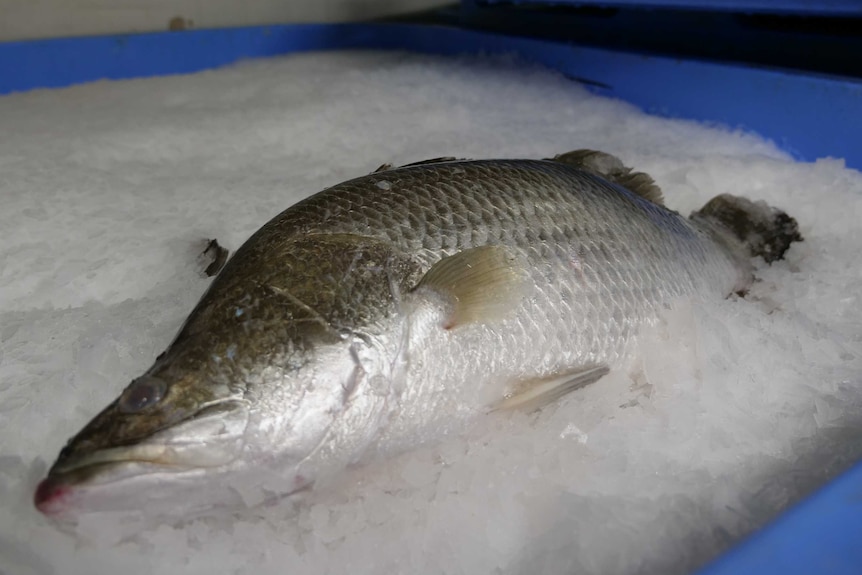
column 51, row 496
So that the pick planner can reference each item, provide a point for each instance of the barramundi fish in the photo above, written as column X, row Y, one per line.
column 393, row 309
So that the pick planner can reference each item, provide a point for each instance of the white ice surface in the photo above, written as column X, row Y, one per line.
column 731, row 411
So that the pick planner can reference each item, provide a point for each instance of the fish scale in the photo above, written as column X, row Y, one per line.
column 634, row 257
column 389, row 310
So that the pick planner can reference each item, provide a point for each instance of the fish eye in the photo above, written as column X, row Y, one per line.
column 143, row 392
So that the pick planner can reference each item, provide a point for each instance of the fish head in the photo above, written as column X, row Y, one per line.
column 166, row 427
column 185, row 440
column 258, row 384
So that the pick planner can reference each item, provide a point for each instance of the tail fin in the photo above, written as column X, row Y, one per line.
column 763, row 230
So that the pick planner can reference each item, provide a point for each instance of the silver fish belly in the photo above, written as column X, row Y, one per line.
column 390, row 309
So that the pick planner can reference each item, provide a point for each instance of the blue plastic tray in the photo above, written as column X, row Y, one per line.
column 806, row 7
column 792, row 35
column 809, row 115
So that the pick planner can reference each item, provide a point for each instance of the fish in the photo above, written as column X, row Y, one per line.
column 393, row 309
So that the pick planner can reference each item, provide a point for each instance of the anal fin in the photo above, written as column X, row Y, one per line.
column 532, row 394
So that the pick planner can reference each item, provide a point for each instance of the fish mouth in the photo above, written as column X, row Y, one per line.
column 210, row 439
column 92, row 472
column 55, row 491
column 64, row 482
column 86, row 466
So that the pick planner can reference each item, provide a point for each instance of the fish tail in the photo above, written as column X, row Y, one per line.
column 763, row 230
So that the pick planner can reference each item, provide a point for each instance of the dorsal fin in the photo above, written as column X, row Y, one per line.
column 386, row 167
column 383, row 168
column 431, row 161
column 612, row 169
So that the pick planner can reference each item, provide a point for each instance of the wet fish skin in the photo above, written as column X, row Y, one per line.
column 337, row 333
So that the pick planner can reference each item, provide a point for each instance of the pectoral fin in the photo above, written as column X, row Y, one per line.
column 532, row 394
column 476, row 285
